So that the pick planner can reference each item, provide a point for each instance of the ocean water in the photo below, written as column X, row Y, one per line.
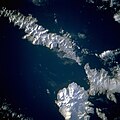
column 30, row 76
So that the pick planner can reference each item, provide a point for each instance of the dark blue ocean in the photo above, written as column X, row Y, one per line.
column 30, row 75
